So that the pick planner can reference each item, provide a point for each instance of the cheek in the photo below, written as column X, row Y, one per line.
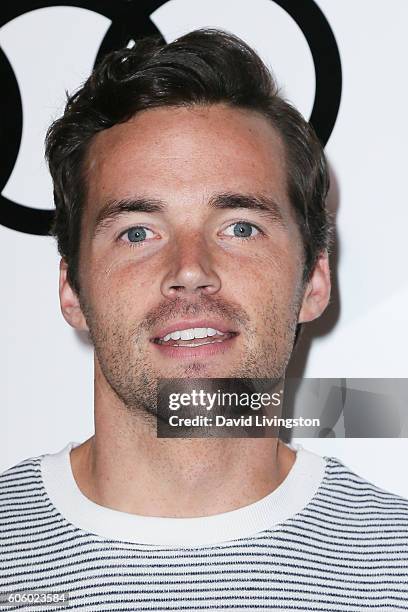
column 121, row 286
column 267, row 283
column 272, row 271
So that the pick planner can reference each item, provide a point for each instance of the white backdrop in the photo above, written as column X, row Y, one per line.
column 46, row 368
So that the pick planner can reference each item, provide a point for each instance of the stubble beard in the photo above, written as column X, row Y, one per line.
column 123, row 355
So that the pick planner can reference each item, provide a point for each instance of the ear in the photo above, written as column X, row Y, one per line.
column 317, row 293
column 69, row 301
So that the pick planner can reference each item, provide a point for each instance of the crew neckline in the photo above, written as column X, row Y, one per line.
column 289, row 498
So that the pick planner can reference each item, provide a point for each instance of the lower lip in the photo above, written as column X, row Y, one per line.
column 186, row 352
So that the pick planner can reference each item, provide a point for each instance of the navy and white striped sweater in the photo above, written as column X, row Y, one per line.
column 325, row 540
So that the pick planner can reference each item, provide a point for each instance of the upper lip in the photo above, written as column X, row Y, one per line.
column 222, row 326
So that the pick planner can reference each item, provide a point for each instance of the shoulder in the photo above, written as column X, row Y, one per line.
column 26, row 472
column 21, row 490
column 356, row 533
column 348, row 498
column 346, row 484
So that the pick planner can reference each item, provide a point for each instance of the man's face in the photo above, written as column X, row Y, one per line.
column 206, row 240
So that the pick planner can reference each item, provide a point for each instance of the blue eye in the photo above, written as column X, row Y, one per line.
column 242, row 229
column 136, row 234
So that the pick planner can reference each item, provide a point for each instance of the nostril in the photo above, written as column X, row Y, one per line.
column 183, row 288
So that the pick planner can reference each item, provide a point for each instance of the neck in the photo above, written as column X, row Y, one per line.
column 124, row 466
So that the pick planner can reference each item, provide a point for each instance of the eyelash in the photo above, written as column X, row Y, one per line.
column 138, row 244
column 262, row 233
column 128, row 242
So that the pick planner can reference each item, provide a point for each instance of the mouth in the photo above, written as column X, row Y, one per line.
column 186, row 335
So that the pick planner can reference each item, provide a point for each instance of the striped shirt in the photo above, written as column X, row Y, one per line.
column 324, row 540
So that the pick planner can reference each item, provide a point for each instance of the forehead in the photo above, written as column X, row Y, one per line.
column 184, row 153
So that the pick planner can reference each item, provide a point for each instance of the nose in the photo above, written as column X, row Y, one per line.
column 190, row 270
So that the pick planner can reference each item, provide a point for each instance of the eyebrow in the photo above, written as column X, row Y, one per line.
column 116, row 208
column 265, row 204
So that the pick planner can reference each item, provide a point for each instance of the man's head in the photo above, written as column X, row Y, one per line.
column 188, row 195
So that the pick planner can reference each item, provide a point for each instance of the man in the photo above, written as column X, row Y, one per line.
column 190, row 216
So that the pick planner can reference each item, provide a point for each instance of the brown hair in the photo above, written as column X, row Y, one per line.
column 206, row 66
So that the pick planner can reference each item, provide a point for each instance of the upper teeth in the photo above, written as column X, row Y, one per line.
column 191, row 333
